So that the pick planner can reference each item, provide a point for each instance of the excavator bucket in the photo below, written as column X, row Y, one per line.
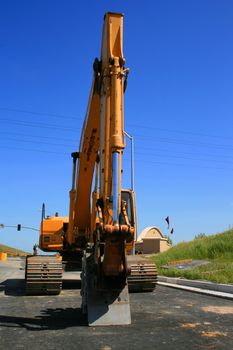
column 105, row 307
column 108, row 308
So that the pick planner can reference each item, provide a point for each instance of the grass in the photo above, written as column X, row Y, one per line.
column 216, row 249
column 12, row 251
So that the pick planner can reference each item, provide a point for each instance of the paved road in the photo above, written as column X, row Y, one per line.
column 166, row 319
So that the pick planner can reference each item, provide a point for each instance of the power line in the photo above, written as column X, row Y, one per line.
column 38, row 136
column 38, row 125
column 153, row 140
column 139, row 126
column 139, row 153
column 157, row 139
column 183, row 165
column 183, row 152
column 33, row 150
column 184, row 142
column 151, row 149
column 188, row 158
column 42, row 125
column 39, row 142
column 177, row 131
column 136, row 162
column 39, row 113
column 152, row 152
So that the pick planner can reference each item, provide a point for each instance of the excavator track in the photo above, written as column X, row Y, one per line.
column 143, row 275
column 43, row 275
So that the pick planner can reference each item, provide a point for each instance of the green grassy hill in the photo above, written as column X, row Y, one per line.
column 217, row 249
column 12, row 251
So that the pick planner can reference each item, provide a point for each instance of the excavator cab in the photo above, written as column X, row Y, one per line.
column 128, row 196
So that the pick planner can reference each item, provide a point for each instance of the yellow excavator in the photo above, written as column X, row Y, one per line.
column 98, row 236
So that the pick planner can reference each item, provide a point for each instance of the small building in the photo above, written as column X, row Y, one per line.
column 151, row 241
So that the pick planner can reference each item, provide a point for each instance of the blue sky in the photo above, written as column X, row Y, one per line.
column 178, row 106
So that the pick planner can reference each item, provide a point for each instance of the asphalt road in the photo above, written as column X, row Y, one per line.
column 165, row 319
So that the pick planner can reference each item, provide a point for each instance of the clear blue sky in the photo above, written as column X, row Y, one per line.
column 178, row 106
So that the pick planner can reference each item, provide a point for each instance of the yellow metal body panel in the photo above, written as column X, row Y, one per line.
column 51, row 233
column 112, row 103
column 89, row 146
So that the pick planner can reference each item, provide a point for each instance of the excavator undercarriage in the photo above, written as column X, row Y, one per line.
column 43, row 274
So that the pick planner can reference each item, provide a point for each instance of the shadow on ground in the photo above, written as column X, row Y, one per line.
column 13, row 287
column 50, row 319
column 16, row 286
column 71, row 284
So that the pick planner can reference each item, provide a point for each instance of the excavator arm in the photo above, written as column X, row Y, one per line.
column 102, row 140
column 104, row 275
column 80, row 210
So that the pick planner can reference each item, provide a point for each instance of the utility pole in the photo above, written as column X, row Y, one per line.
column 132, row 158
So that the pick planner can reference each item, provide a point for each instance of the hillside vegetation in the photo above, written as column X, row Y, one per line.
column 217, row 249
column 12, row 251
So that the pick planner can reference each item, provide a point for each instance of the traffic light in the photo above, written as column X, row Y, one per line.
column 19, row 227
